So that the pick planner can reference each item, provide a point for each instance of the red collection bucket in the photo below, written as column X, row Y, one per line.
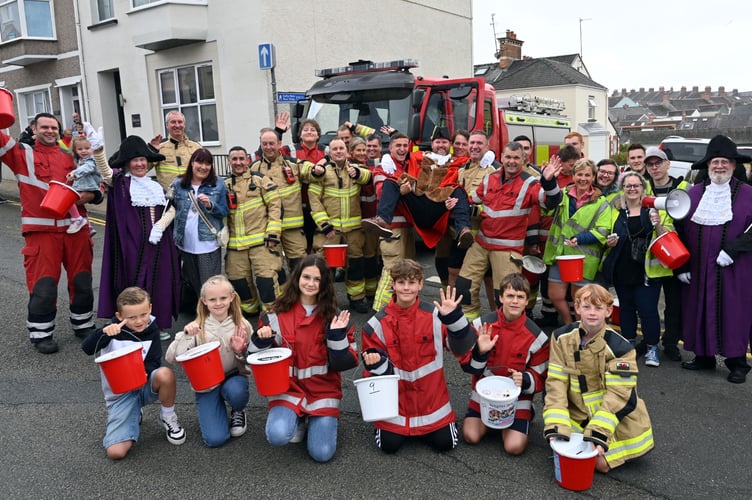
column 574, row 462
column 271, row 370
column 336, row 255
column 7, row 118
column 532, row 268
column 571, row 267
column 124, row 368
column 203, row 366
column 616, row 313
column 669, row 249
column 59, row 198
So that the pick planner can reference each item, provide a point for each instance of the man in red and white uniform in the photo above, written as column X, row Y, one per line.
column 48, row 245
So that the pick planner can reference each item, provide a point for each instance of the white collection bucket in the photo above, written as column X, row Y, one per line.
column 378, row 397
column 498, row 401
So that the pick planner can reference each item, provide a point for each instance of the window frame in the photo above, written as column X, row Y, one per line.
column 23, row 22
column 97, row 10
column 200, row 104
column 23, row 110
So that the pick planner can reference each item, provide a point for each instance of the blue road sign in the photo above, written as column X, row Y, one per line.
column 266, row 55
column 290, row 96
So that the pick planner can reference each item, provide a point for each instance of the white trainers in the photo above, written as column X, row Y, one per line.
column 300, row 432
column 237, row 423
column 76, row 225
column 174, row 431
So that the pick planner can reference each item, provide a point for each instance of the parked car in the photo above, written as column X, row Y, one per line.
column 683, row 152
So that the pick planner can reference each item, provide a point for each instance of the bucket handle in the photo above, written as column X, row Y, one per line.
column 96, row 347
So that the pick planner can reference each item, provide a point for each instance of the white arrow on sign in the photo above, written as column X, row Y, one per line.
column 264, row 56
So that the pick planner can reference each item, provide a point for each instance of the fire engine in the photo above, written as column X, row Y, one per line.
column 387, row 93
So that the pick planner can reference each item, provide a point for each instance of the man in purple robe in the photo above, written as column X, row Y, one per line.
column 137, row 249
column 717, row 313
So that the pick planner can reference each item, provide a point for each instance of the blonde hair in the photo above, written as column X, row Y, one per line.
column 584, row 163
column 73, row 144
column 594, row 294
column 202, row 311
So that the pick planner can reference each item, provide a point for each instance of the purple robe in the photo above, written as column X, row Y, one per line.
column 128, row 259
column 716, row 310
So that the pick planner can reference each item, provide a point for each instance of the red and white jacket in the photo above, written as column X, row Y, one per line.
column 319, row 354
column 379, row 176
column 522, row 346
column 34, row 168
column 411, row 343
column 507, row 207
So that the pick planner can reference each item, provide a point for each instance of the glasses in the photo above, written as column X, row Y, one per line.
column 632, row 186
column 654, row 164
column 606, row 172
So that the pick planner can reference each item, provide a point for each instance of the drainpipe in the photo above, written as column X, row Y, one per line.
column 81, row 64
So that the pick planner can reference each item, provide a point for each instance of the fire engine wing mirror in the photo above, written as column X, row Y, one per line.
column 413, row 127
column 416, row 99
column 297, row 110
column 296, row 130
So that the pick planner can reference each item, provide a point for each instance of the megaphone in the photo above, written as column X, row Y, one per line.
column 677, row 203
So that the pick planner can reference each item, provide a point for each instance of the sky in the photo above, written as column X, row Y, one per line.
column 631, row 44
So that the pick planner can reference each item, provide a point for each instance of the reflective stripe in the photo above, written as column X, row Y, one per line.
column 555, row 416
column 39, row 221
column 368, row 199
column 505, row 213
column 8, row 146
column 86, row 315
column 619, row 380
column 458, row 325
column 40, row 326
column 500, row 242
column 431, row 418
column 627, row 448
column 606, row 420
column 295, row 401
column 338, row 345
column 321, row 403
column 477, row 365
column 304, row 373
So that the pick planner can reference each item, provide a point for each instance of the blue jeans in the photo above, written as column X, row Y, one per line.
column 282, row 423
column 640, row 300
column 212, row 414
column 124, row 413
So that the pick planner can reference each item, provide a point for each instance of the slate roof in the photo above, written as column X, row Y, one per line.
column 541, row 72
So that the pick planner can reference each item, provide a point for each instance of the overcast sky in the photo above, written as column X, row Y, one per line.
column 632, row 44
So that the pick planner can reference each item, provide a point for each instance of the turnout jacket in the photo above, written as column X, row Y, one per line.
column 289, row 192
column 508, row 205
column 257, row 213
column 335, row 197
column 319, row 354
column 411, row 343
column 522, row 346
column 177, row 154
column 593, row 389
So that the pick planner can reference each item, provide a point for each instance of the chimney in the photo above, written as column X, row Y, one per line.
column 510, row 49
column 666, row 96
column 706, row 94
column 642, row 89
column 683, row 91
column 651, row 89
column 661, row 89
column 722, row 91
column 695, row 89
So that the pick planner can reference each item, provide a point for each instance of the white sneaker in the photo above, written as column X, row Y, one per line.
column 237, row 423
column 76, row 225
column 651, row 357
column 174, row 431
column 300, row 432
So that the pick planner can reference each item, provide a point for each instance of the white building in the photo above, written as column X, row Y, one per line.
column 141, row 58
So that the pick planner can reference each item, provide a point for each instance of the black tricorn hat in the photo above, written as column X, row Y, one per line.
column 721, row 146
column 441, row 133
column 133, row 147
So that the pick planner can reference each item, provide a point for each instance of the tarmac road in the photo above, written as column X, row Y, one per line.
column 54, row 415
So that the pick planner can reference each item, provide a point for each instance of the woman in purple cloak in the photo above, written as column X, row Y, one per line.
column 137, row 249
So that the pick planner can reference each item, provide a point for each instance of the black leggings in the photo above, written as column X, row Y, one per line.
column 443, row 439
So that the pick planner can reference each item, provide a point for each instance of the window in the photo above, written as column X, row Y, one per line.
column 25, row 18
column 31, row 102
column 591, row 108
column 105, row 10
column 190, row 90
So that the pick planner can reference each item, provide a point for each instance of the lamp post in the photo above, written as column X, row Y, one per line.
column 582, row 19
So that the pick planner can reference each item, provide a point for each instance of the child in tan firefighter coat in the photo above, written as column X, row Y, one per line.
column 592, row 385
column 335, row 208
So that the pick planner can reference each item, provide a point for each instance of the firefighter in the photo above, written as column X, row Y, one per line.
column 47, row 245
column 287, row 175
column 368, row 153
column 254, row 222
column 507, row 197
column 335, row 207
column 177, row 149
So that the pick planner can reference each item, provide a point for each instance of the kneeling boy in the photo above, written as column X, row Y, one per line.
column 592, row 385
column 134, row 323
column 509, row 344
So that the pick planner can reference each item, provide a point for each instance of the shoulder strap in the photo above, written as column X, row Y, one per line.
column 201, row 212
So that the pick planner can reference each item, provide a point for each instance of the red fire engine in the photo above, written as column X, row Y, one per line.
column 376, row 94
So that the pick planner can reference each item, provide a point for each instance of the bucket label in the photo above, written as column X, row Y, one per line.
column 373, row 388
column 557, row 467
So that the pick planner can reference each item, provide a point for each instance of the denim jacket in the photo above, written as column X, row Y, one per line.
column 219, row 209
